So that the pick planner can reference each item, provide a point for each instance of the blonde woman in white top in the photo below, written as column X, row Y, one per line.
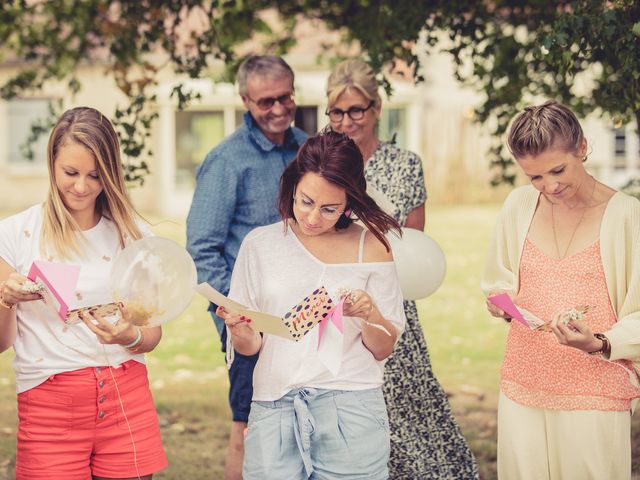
column 306, row 421
column 84, row 405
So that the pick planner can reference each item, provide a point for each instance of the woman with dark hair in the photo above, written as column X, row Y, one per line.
column 305, row 420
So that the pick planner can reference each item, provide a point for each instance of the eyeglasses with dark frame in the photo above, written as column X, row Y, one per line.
column 355, row 113
column 267, row 103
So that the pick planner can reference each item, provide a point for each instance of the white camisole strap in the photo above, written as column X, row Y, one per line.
column 361, row 246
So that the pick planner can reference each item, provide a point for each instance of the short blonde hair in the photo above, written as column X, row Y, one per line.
column 542, row 127
column 89, row 128
column 353, row 74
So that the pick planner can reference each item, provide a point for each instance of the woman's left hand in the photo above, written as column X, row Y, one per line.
column 576, row 334
column 120, row 333
column 358, row 304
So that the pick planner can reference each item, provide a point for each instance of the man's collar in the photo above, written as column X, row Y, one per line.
column 263, row 142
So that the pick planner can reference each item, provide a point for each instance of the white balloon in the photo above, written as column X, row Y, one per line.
column 155, row 279
column 419, row 261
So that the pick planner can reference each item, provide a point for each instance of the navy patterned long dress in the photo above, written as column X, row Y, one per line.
column 426, row 442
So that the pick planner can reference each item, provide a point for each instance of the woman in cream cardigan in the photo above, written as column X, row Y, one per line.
column 567, row 250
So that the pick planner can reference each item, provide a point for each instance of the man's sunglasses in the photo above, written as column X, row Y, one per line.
column 268, row 102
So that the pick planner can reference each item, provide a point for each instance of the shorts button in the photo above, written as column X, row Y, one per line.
column 98, row 370
column 101, row 414
column 101, row 399
column 101, row 383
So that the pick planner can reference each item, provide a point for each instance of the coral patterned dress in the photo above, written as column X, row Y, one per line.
column 540, row 372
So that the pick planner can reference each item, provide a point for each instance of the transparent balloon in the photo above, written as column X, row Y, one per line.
column 155, row 279
column 420, row 263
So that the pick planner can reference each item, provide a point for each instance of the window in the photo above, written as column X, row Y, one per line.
column 392, row 124
column 620, row 148
column 22, row 114
column 196, row 134
column 307, row 119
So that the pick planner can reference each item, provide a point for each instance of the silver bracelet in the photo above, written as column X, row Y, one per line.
column 136, row 341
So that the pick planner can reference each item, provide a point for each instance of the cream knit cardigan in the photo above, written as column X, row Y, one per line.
column 619, row 248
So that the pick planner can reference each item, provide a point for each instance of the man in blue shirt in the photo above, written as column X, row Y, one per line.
column 236, row 191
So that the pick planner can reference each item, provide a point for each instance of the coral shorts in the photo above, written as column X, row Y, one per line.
column 74, row 426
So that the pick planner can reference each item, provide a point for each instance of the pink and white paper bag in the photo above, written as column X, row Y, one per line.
column 59, row 281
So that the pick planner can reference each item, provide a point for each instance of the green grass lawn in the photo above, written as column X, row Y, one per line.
column 189, row 381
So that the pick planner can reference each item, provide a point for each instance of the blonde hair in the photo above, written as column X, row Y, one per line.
column 89, row 128
column 542, row 127
column 353, row 74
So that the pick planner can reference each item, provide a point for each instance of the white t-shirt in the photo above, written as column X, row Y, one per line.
column 273, row 272
column 44, row 345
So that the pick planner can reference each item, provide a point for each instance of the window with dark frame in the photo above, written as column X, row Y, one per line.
column 620, row 148
column 307, row 118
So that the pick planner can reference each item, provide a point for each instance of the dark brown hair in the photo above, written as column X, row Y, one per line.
column 337, row 159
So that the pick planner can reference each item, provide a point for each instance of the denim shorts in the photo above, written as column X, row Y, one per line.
column 318, row 434
column 240, row 377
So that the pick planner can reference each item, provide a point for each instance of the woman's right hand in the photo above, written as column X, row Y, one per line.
column 239, row 325
column 14, row 291
column 496, row 311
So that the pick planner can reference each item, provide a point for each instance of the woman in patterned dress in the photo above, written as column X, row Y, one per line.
column 566, row 249
column 426, row 442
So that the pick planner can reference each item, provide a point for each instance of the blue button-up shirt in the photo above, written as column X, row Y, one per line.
column 236, row 191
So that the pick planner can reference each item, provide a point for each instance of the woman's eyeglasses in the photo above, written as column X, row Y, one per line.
column 355, row 113
column 307, row 206
column 268, row 102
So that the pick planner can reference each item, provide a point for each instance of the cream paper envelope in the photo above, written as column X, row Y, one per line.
column 261, row 322
column 214, row 296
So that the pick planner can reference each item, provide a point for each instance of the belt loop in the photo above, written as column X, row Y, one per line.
column 126, row 365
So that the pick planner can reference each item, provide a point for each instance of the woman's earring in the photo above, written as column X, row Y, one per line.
column 347, row 213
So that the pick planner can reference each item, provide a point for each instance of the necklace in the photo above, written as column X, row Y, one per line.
column 575, row 229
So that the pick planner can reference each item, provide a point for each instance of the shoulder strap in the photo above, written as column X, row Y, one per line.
column 361, row 245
